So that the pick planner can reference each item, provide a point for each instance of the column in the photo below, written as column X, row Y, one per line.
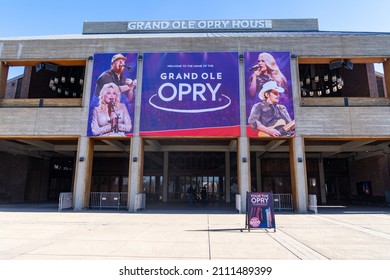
column 297, row 150
column 136, row 148
column 386, row 71
column 136, row 162
column 87, row 83
column 243, row 169
column 243, row 160
column 83, row 171
column 298, row 174
column 84, row 158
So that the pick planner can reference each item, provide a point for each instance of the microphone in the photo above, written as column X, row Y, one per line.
column 114, row 120
column 254, row 68
column 128, row 67
column 112, row 104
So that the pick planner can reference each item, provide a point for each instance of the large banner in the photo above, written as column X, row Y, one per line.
column 111, row 109
column 190, row 94
column 268, row 91
column 260, row 210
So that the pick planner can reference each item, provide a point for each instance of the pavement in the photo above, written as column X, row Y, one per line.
column 335, row 233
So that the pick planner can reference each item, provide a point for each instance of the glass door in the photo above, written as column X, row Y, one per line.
column 206, row 188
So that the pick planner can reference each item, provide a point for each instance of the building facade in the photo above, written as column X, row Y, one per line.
column 186, row 114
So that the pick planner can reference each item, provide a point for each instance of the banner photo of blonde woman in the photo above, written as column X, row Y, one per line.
column 111, row 109
column 268, row 94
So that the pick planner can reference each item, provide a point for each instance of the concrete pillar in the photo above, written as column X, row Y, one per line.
column 243, row 160
column 243, row 169
column 135, row 172
column 83, row 171
column 297, row 160
column 297, row 150
column 386, row 71
column 84, row 158
column 88, row 83
column 136, row 148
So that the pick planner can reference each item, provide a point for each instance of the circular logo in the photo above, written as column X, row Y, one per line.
column 254, row 222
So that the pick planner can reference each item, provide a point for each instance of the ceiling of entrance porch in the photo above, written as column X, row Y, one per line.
column 336, row 148
column 324, row 148
column 347, row 149
column 39, row 148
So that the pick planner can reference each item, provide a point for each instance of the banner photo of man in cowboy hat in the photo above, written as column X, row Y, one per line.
column 269, row 99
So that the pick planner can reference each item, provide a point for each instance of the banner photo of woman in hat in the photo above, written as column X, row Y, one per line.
column 269, row 100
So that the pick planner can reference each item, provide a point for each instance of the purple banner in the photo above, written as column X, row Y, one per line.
column 111, row 109
column 260, row 212
column 190, row 94
column 268, row 91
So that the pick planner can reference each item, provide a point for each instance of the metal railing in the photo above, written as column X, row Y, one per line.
column 283, row 202
column 65, row 201
column 106, row 200
column 118, row 200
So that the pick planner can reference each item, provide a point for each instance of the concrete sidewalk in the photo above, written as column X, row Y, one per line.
column 335, row 233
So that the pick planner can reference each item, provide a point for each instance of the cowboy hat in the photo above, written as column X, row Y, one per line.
column 271, row 85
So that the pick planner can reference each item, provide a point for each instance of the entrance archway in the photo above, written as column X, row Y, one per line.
column 171, row 167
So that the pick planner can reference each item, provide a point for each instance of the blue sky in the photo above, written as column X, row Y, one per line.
column 48, row 17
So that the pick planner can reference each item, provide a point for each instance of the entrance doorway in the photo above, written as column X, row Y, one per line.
column 205, row 172
column 206, row 188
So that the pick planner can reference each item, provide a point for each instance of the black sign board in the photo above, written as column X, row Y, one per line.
column 260, row 211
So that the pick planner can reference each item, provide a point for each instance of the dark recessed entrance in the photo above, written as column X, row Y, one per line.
column 205, row 172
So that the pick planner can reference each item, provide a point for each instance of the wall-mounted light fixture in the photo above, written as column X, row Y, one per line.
column 300, row 159
column 81, row 159
column 348, row 64
column 335, row 64
column 244, row 159
column 90, row 58
column 46, row 66
column 135, row 159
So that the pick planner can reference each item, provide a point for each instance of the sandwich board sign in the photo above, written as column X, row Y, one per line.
column 260, row 211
